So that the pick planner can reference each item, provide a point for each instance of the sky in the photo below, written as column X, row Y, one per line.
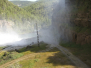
column 22, row 0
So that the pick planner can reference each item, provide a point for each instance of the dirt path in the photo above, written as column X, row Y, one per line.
column 22, row 58
column 74, row 59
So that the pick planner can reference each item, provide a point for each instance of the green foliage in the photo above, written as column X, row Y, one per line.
column 39, row 12
column 11, row 12
column 22, row 3
column 34, row 48
column 42, row 10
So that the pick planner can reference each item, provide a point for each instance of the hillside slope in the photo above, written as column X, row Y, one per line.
column 25, row 17
column 10, row 12
column 22, row 3
column 43, row 10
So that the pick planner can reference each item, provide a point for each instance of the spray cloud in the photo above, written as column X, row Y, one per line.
column 58, row 29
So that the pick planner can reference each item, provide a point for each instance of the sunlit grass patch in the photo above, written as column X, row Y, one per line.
column 15, row 65
column 51, row 59
column 28, row 63
column 9, row 56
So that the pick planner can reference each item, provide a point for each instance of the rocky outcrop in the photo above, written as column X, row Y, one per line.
column 84, row 23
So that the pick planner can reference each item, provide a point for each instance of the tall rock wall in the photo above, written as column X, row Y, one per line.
column 82, row 22
column 72, row 20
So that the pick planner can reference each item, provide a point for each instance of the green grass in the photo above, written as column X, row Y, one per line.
column 9, row 56
column 51, row 59
column 81, row 51
column 15, row 55
column 34, row 49
column 29, row 63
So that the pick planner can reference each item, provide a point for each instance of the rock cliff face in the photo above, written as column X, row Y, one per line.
column 81, row 38
column 73, row 21
column 6, row 26
column 82, row 22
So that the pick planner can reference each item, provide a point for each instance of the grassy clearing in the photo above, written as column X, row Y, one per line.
column 83, row 52
column 51, row 59
column 9, row 56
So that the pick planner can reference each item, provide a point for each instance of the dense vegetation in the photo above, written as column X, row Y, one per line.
column 22, row 3
column 42, row 10
column 9, row 11
column 25, row 18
